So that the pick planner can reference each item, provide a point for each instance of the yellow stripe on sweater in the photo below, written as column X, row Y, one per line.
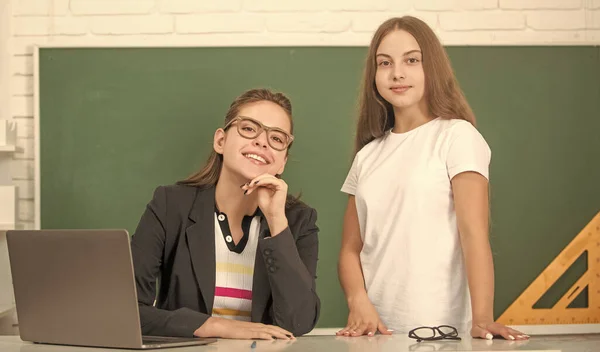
column 235, row 268
column 234, row 312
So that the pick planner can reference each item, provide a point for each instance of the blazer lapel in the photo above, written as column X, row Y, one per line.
column 261, row 290
column 201, row 243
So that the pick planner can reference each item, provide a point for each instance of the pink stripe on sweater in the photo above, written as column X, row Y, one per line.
column 233, row 292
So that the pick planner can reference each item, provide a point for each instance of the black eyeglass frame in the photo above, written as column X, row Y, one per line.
column 262, row 127
column 453, row 335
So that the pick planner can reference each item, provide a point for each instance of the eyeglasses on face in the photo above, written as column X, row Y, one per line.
column 427, row 333
column 250, row 128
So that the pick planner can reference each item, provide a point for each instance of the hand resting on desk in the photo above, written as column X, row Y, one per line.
column 363, row 319
column 235, row 329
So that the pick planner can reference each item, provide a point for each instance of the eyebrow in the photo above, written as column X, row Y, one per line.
column 406, row 53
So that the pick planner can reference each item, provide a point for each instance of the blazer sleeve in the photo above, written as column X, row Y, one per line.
column 147, row 248
column 292, row 266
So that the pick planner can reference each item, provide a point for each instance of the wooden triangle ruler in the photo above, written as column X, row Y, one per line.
column 521, row 311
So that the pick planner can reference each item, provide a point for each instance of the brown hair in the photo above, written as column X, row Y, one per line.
column 444, row 96
column 208, row 175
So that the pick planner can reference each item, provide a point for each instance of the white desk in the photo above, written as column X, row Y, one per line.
column 395, row 343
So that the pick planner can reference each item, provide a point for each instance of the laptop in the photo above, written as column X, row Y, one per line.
column 77, row 287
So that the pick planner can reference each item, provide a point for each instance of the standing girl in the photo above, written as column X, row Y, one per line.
column 415, row 249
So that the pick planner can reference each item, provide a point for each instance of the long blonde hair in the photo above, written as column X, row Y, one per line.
column 444, row 96
column 208, row 175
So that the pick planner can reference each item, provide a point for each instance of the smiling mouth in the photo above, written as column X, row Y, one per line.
column 256, row 157
column 400, row 89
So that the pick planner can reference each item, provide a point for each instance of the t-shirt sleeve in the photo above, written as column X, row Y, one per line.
column 351, row 182
column 467, row 151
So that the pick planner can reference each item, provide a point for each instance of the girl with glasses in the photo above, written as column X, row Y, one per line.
column 231, row 254
column 415, row 248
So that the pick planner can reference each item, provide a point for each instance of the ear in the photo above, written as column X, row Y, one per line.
column 280, row 171
column 219, row 141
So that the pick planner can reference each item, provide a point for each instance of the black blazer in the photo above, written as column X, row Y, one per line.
column 174, row 243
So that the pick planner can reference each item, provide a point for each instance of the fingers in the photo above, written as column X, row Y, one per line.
column 281, row 333
column 484, row 334
column 276, row 334
column 264, row 180
column 507, row 335
column 364, row 328
column 371, row 329
column 264, row 331
column 360, row 330
column 343, row 331
column 249, row 330
column 488, row 331
column 517, row 334
column 383, row 329
column 506, row 332
column 262, row 335
column 347, row 331
column 351, row 329
column 481, row 332
column 276, row 331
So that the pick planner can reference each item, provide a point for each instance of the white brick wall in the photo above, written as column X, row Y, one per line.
column 111, row 7
column 40, row 8
column 22, row 85
column 22, row 169
column 21, row 106
column 540, row 4
column 194, row 6
column 562, row 20
column 469, row 21
column 257, row 22
column 219, row 23
column 128, row 24
column 57, row 25
column 320, row 22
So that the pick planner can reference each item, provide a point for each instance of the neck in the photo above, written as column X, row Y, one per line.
column 406, row 119
column 230, row 198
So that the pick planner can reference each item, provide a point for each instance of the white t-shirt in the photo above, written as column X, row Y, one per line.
column 412, row 258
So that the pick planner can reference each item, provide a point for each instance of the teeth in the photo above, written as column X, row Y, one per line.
column 256, row 157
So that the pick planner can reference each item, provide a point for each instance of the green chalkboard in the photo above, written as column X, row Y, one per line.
column 117, row 122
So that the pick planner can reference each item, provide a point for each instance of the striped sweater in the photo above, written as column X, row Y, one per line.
column 234, row 274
